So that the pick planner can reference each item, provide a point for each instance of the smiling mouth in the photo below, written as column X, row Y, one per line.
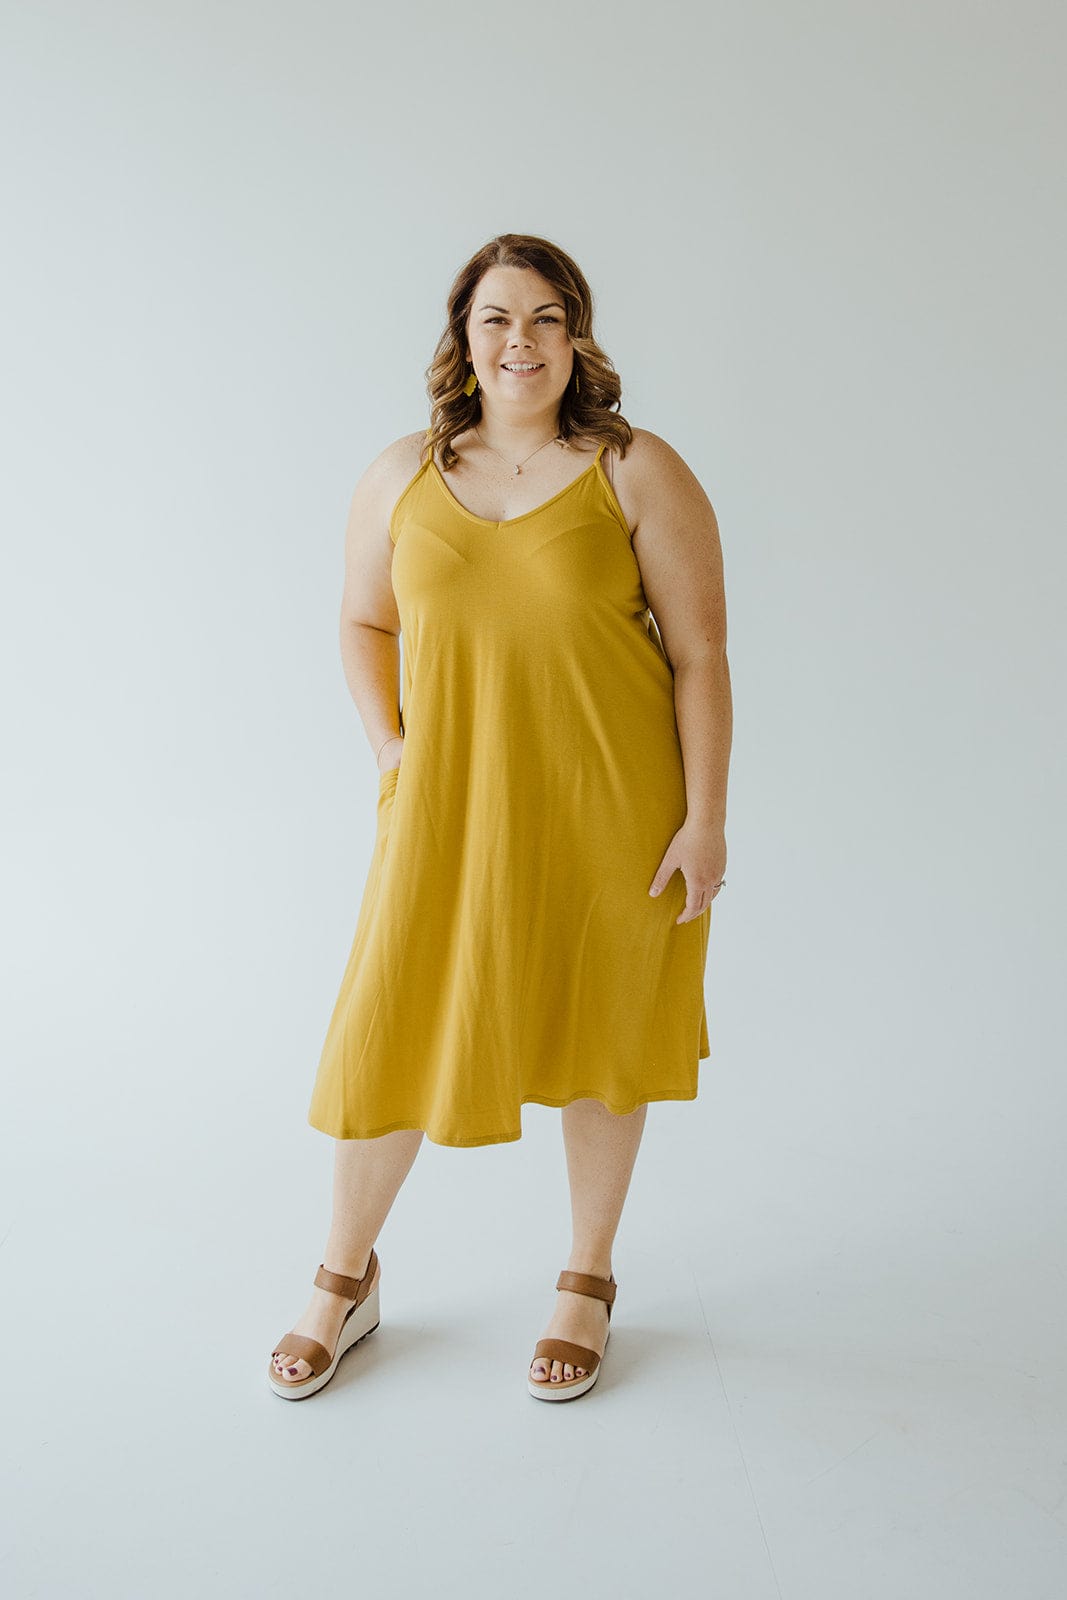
column 522, row 371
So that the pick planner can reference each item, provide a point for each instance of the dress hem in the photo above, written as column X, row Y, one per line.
column 509, row 1138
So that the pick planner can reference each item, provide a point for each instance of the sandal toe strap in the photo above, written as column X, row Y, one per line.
column 298, row 1345
column 564, row 1350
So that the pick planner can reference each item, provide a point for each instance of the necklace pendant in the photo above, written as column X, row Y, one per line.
column 517, row 471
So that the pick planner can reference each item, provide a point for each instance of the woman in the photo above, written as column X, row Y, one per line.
column 552, row 793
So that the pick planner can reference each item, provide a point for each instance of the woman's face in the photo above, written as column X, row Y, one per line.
column 517, row 316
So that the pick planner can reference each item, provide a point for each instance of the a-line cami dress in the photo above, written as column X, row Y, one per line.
column 507, row 948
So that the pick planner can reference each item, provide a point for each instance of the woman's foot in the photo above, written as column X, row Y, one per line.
column 580, row 1318
column 322, row 1321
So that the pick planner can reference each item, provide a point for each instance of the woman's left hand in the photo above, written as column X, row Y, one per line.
column 699, row 852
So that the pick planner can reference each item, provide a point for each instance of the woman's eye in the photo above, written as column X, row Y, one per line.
column 540, row 319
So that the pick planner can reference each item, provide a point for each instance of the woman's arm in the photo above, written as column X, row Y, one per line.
column 370, row 622
column 676, row 542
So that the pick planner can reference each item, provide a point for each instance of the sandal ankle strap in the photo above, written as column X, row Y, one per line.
column 337, row 1283
column 586, row 1283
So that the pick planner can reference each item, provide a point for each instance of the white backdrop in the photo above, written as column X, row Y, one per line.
column 827, row 248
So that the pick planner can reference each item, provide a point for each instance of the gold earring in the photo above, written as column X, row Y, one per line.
column 471, row 383
column 577, row 385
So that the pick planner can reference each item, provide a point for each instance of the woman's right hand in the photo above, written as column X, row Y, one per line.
column 386, row 754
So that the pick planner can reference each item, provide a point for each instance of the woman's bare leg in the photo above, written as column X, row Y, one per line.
column 601, row 1152
column 367, row 1176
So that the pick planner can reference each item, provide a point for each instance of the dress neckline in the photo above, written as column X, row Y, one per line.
column 504, row 522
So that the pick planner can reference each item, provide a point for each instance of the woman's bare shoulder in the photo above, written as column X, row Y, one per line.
column 647, row 452
column 387, row 474
column 653, row 477
column 401, row 459
column 652, row 464
column 380, row 485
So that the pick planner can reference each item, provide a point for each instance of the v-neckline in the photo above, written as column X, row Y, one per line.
column 505, row 522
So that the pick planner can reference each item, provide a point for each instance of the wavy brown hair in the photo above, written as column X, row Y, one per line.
column 590, row 413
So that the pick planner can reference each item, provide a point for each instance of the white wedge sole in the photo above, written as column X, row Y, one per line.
column 361, row 1320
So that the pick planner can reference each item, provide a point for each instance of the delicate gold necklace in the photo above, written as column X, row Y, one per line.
column 554, row 440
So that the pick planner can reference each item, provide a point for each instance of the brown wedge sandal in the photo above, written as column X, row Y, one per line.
column 563, row 1350
column 361, row 1319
